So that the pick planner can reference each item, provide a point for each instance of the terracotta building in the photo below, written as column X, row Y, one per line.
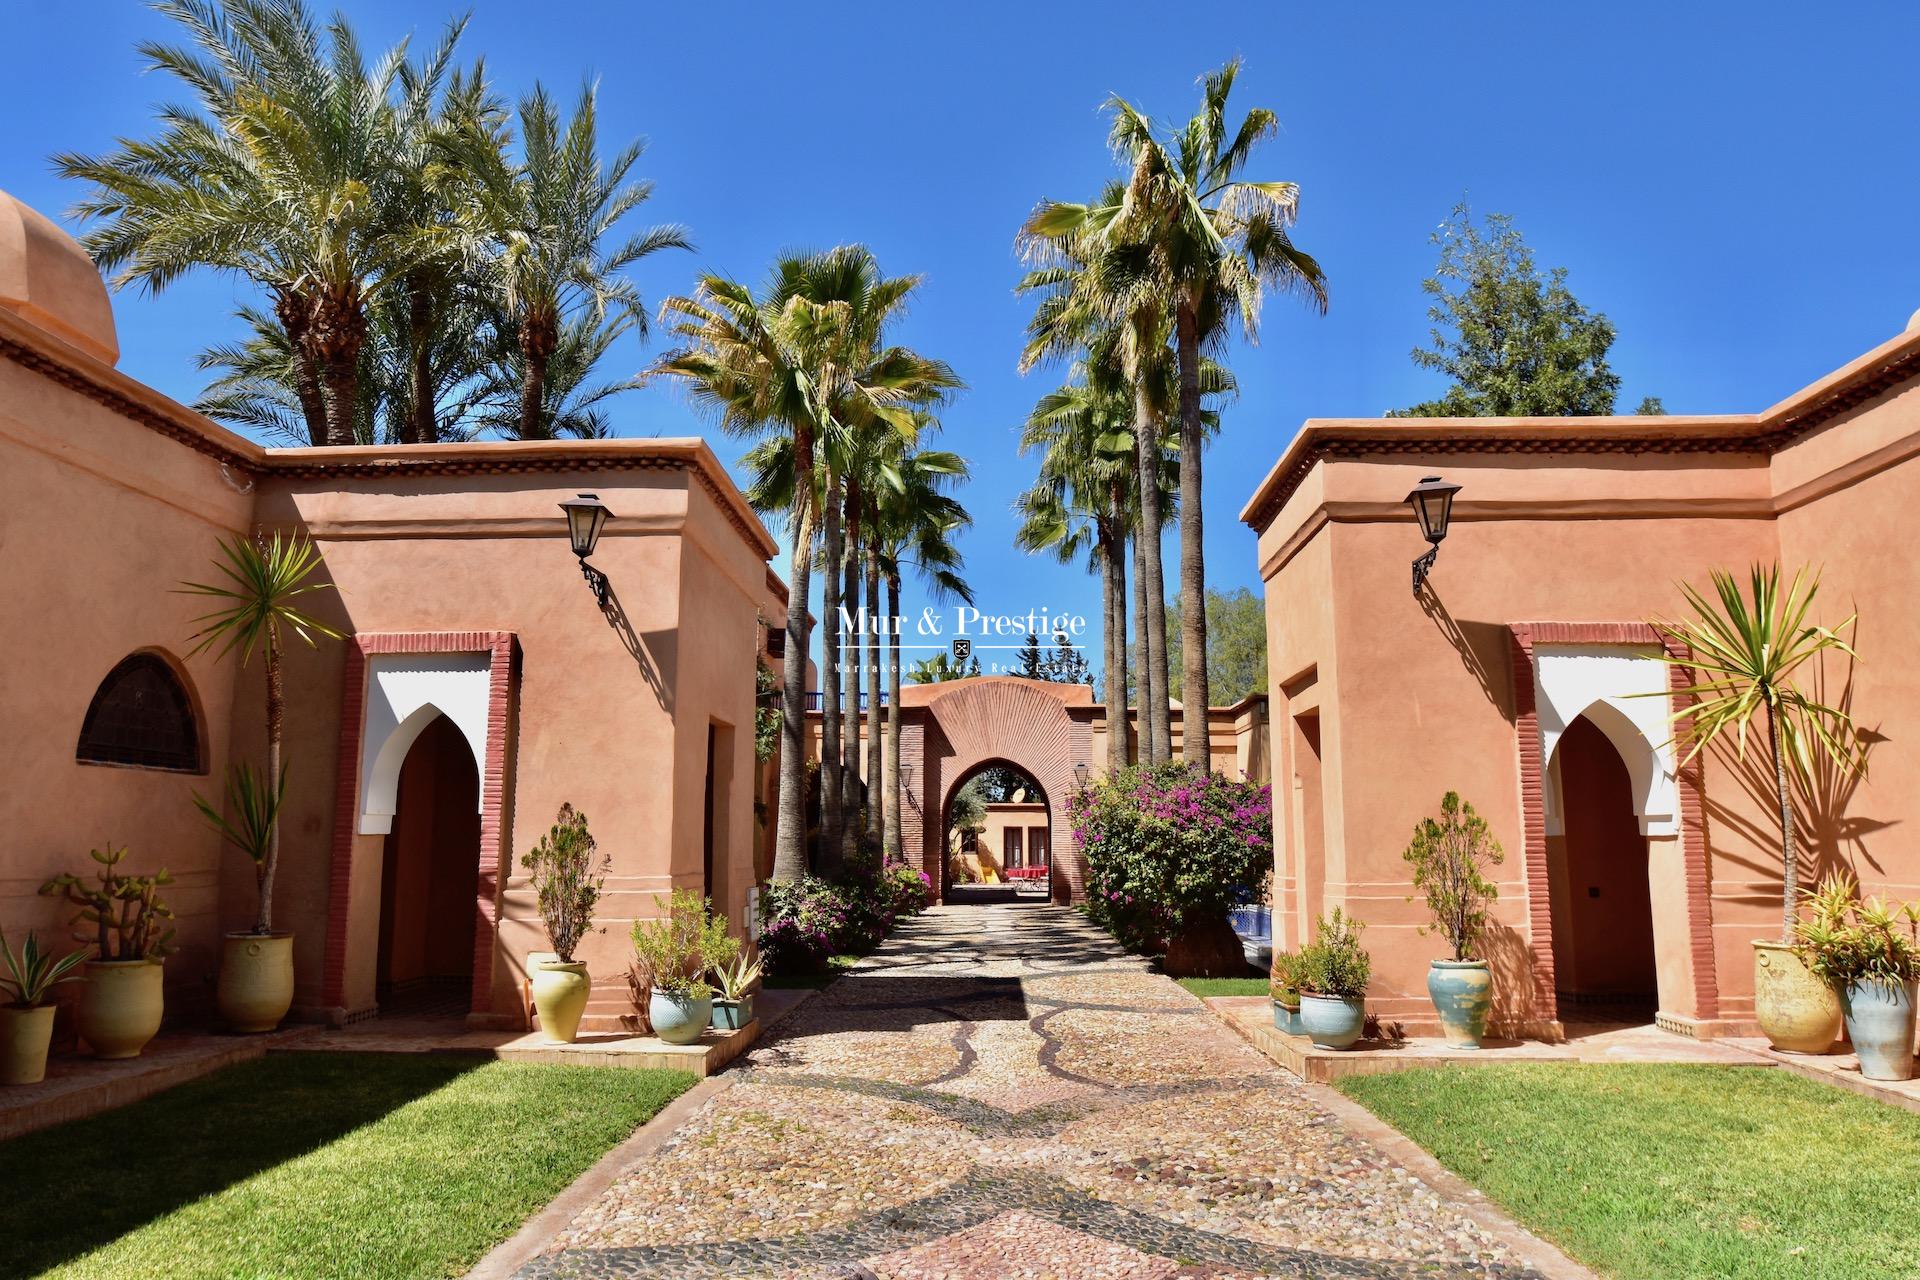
column 481, row 684
column 1510, row 678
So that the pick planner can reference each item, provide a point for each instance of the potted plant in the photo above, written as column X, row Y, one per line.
column 1870, row 952
column 566, row 884
column 675, row 951
column 733, row 998
column 258, row 602
column 1449, row 858
column 1742, row 655
column 121, row 1007
column 1334, row 971
column 1283, row 985
column 26, row 1019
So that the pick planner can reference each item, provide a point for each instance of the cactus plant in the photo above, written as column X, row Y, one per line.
column 125, row 911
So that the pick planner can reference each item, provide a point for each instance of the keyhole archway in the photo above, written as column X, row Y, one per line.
column 997, row 822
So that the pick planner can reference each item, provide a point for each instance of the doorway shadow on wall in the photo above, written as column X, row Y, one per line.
column 1510, row 963
column 1828, row 835
column 637, row 648
column 1485, row 650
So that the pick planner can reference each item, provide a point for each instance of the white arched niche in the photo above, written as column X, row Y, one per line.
column 1605, row 684
column 405, row 691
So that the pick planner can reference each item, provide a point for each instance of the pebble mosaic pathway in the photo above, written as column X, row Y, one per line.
column 1000, row 1094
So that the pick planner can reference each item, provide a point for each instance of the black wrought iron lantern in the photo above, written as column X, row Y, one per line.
column 1432, row 503
column 586, row 517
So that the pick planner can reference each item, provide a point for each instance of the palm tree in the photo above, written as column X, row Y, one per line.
column 940, row 668
column 571, row 400
column 551, row 217
column 259, row 601
column 1742, row 652
column 282, row 176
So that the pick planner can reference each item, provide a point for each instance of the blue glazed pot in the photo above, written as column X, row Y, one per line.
column 1331, row 1022
column 678, row 1018
column 731, row 1015
column 1880, row 1024
column 1285, row 1020
column 1462, row 994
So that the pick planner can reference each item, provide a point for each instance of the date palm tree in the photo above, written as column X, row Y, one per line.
column 552, row 216
column 1743, row 651
column 257, row 605
column 280, row 173
column 1216, row 243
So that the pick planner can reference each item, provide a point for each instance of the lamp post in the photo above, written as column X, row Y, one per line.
column 586, row 516
column 1432, row 503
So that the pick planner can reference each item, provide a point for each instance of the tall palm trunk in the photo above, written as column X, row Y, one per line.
column 790, row 836
column 831, row 800
column 890, row 767
column 1114, row 625
column 1146, row 437
column 295, row 318
column 856, row 682
column 276, row 716
column 422, row 427
column 876, row 793
column 1193, row 556
column 1143, row 653
column 539, row 337
column 339, row 332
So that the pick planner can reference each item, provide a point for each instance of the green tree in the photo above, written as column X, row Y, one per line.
column 1513, row 344
column 942, row 666
column 1651, row 406
column 1236, row 645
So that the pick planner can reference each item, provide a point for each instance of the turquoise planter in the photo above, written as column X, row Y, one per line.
column 1285, row 1020
column 1462, row 994
column 677, row 1018
column 1330, row 1022
column 731, row 1015
column 1880, row 1024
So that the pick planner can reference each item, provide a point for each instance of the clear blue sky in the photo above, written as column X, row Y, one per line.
column 1736, row 185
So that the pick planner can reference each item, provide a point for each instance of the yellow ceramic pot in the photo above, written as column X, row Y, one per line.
column 24, row 1037
column 120, row 1009
column 560, row 992
column 1798, row 1011
column 256, row 980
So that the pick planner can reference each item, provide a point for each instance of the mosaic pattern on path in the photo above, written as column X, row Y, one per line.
column 1000, row 1093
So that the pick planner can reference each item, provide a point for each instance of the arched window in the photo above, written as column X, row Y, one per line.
column 141, row 716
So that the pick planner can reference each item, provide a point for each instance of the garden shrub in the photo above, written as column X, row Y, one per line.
column 1168, row 846
column 801, row 924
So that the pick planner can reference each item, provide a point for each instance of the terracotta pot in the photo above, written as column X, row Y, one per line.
column 1462, row 994
column 121, row 1006
column 560, row 991
column 256, row 980
column 1798, row 1011
column 24, row 1037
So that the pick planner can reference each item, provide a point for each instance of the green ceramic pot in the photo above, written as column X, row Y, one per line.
column 1462, row 994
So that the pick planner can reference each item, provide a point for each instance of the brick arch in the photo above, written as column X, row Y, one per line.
column 964, row 724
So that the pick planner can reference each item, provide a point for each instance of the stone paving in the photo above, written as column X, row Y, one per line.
column 1000, row 1093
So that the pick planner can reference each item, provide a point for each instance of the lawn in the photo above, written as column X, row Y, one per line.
column 315, row 1164
column 1204, row 987
column 1670, row 1171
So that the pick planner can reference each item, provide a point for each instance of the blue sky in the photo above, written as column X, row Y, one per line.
column 1734, row 185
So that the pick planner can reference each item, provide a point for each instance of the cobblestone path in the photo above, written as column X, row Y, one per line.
column 1000, row 1094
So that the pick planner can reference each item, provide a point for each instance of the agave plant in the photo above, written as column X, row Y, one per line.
column 32, row 973
column 1743, row 653
column 734, row 980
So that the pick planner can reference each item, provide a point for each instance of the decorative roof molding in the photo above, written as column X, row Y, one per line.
column 1762, row 434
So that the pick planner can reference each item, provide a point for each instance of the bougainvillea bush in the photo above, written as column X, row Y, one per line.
column 802, row 924
column 1168, row 847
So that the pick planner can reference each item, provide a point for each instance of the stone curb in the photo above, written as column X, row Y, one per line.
column 1530, row 1250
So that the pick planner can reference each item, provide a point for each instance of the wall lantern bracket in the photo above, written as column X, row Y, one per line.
column 1432, row 503
column 586, row 517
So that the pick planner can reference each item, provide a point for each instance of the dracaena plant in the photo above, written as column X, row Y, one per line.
column 123, row 916
column 1744, row 651
column 31, row 972
column 259, row 603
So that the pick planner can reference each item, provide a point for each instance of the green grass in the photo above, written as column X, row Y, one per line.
column 836, row 965
column 1675, row 1171
column 1204, row 987
column 311, row 1164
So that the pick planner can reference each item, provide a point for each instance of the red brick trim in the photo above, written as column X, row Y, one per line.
column 1693, row 828
column 500, row 648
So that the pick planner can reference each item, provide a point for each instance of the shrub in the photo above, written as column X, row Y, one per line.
column 1334, row 963
column 1167, row 846
column 1448, row 858
column 677, row 949
column 567, row 880
column 1852, row 941
column 1284, row 981
column 802, row 924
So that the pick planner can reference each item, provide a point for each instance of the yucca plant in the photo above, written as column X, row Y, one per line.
column 32, row 973
column 265, row 577
column 1744, row 650
column 734, row 980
